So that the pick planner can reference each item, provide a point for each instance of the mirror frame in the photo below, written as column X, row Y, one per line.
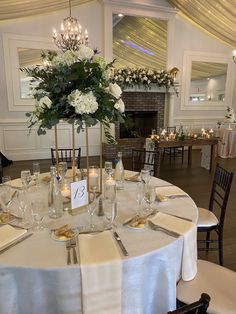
column 10, row 44
column 189, row 57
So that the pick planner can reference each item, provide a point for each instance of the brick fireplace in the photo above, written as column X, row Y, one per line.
column 147, row 111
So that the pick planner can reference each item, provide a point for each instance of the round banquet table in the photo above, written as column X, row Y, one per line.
column 34, row 277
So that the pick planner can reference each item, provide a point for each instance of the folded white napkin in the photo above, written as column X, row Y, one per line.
column 189, row 232
column 101, row 272
column 9, row 234
column 169, row 190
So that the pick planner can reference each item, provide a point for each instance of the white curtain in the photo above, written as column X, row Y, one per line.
column 12, row 9
column 217, row 17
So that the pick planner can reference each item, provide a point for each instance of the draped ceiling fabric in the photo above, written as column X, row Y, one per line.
column 139, row 42
column 12, row 9
column 217, row 17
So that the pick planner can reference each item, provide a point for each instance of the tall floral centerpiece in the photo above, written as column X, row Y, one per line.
column 74, row 86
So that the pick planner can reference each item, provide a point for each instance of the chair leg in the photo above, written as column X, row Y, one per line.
column 220, row 244
column 182, row 155
column 207, row 240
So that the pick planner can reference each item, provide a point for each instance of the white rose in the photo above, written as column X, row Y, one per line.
column 83, row 103
column 119, row 105
column 115, row 90
column 85, row 52
column 45, row 101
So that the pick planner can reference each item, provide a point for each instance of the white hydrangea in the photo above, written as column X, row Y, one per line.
column 85, row 52
column 83, row 103
column 115, row 90
column 65, row 58
column 119, row 105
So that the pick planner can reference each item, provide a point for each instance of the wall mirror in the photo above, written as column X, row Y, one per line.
column 27, row 57
column 22, row 51
column 207, row 83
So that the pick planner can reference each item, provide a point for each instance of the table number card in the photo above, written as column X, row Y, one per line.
column 79, row 194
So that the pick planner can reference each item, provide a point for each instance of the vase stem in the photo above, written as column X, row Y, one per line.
column 56, row 147
column 87, row 156
column 73, row 151
column 100, row 158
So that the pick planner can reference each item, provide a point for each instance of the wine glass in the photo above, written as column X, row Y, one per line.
column 139, row 195
column 25, row 178
column 5, row 197
column 25, row 212
column 91, row 209
column 108, row 168
column 62, row 169
column 145, row 176
column 38, row 214
column 149, row 198
column 36, row 172
column 110, row 211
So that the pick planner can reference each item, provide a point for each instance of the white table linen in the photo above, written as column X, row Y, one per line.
column 101, row 273
column 37, row 280
column 9, row 234
column 189, row 231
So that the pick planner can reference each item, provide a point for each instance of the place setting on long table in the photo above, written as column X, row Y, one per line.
column 91, row 252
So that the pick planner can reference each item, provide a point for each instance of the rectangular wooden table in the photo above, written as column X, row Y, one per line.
column 193, row 142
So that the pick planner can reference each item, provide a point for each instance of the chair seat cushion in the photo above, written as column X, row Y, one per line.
column 206, row 218
column 217, row 281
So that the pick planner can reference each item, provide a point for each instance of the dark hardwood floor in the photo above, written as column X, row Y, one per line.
column 195, row 180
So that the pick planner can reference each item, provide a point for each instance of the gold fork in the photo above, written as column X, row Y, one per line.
column 68, row 247
column 73, row 246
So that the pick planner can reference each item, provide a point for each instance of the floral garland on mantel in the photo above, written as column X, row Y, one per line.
column 131, row 77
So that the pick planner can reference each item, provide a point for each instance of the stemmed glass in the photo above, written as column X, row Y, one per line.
column 145, row 176
column 62, row 169
column 25, row 178
column 110, row 211
column 24, row 208
column 91, row 209
column 108, row 168
column 149, row 197
column 139, row 195
column 36, row 172
column 38, row 214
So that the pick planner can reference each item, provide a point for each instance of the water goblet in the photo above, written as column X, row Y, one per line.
column 5, row 197
column 36, row 172
column 38, row 215
column 25, row 212
column 91, row 209
column 25, row 178
column 149, row 198
column 139, row 195
column 108, row 168
column 110, row 211
column 145, row 176
column 62, row 169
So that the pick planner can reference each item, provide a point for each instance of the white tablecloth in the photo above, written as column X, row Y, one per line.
column 34, row 277
column 227, row 145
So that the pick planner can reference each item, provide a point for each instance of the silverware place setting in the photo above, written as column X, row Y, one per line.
column 71, row 245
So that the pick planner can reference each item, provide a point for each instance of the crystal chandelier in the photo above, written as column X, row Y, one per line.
column 71, row 35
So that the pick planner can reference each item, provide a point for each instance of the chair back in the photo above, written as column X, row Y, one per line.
column 220, row 192
column 198, row 307
column 1, row 169
column 66, row 154
column 142, row 158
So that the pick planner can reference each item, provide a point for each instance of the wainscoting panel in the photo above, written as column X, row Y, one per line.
column 18, row 144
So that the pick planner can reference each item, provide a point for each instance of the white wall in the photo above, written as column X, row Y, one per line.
column 14, row 141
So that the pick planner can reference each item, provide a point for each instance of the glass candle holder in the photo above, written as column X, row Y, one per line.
column 93, row 178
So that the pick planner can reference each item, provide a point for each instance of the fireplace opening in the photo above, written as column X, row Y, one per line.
column 138, row 124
